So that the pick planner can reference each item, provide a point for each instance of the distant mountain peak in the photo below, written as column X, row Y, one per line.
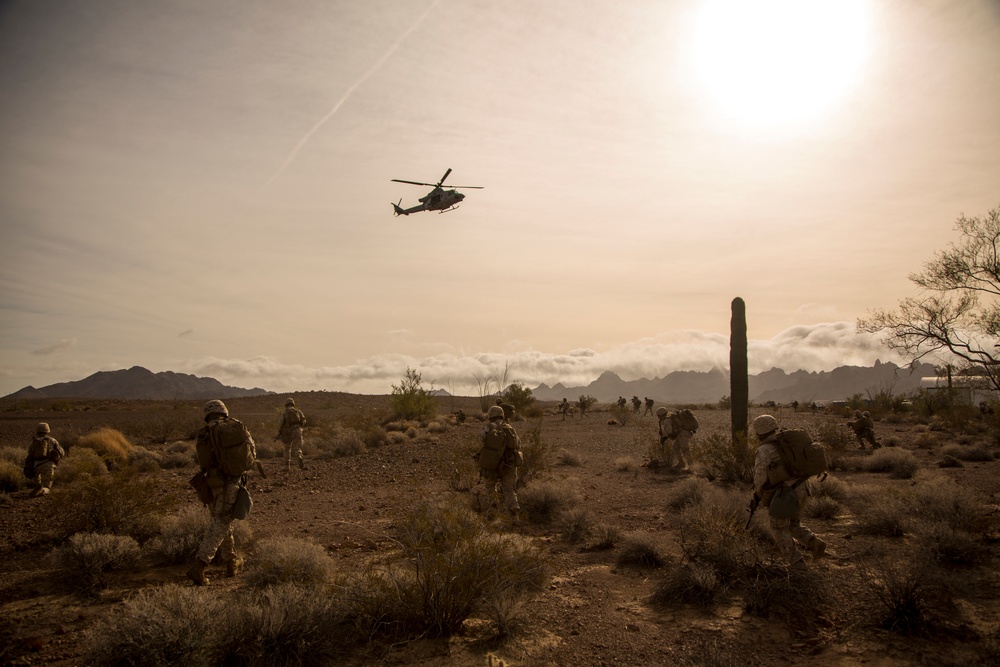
column 140, row 383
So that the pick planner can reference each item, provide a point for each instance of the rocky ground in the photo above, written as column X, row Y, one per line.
column 592, row 611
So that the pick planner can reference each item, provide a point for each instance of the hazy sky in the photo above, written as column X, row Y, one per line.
column 205, row 187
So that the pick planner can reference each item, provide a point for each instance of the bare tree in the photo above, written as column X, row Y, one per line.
column 958, row 311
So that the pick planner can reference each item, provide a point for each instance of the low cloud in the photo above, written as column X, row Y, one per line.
column 64, row 344
column 812, row 348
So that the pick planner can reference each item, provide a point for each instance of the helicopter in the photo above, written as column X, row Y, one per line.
column 438, row 199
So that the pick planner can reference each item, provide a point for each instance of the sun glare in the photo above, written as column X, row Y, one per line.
column 773, row 62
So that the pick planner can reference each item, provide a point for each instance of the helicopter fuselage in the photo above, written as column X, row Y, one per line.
column 437, row 199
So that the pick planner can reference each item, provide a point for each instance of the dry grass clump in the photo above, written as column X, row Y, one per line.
column 180, row 536
column 543, row 500
column 11, row 477
column 690, row 583
column 436, row 427
column 80, row 463
column 835, row 435
column 86, row 560
column 726, row 459
column 111, row 444
column 284, row 625
column 775, row 591
column 823, row 507
column 902, row 597
column 564, row 457
column 881, row 510
column 712, row 532
column 121, row 503
column 338, row 442
column 575, row 524
column 396, row 438
column 639, row 552
column 142, row 460
column 535, row 450
column 971, row 453
column 166, row 625
column 604, row 537
column 690, row 491
column 625, row 464
column 13, row 455
column 290, row 560
column 899, row 463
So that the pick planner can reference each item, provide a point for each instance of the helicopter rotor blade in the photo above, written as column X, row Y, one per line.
column 399, row 180
column 444, row 177
column 467, row 187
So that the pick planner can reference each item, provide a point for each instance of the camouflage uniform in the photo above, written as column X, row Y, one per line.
column 785, row 531
column 504, row 475
column 864, row 429
column 682, row 444
column 45, row 452
column 649, row 407
column 564, row 408
column 218, row 536
column 666, row 431
column 290, row 432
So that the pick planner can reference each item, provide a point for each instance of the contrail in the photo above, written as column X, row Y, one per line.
column 336, row 107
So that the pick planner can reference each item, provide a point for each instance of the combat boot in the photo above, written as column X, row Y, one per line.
column 817, row 548
column 302, row 463
column 197, row 573
column 233, row 566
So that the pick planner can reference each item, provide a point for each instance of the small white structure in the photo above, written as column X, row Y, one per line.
column 966, row 389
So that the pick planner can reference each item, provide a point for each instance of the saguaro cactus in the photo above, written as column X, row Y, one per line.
column 739, row 383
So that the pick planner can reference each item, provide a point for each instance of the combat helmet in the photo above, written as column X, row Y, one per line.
column 290, row 401
column 494, row 412
column 661, row 411
column 215, row 407
column 764, row 424
column 42, row 428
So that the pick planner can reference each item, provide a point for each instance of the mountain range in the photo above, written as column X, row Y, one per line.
column 140, row 383
column 683, row 387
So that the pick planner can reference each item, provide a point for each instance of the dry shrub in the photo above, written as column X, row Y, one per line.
column 535, row 450
column 899, row 463
column 396, row 438
column 605, row 537
column 373, row 437
column 451, row 566
column 713, row 532
column 338, row 442
column 881, row 510
column 180, row 536
column 121, row 503
column 776, row 591
column 11, row 477
column 80, row 463
column 835, row 435
column 13, row 455
column 625, row 464
column 87, row 559
column 940, row 500
column 564, row 457
column 143, row 460
column 543, row 500
column 575, row 524
column 111, row 444
column 899, row 590
column 690, row 583
column 971, row 453
column 690, row 491
column 290, row 560
column 640, row 552
column 411, row 433
column 166, row 625
column 949, row 462
column 269, row 449
column 285, row 625
column 823, row 507
column 938, row 544
column 726, row 459
column 437, row 427
column 828, row 486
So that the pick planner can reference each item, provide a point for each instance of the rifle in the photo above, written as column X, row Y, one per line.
column 260, row 469
column 752, row 507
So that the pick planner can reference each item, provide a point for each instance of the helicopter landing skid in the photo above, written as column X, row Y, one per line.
column 447, row 209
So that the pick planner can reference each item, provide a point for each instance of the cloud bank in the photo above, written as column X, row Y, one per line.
column 813, row 348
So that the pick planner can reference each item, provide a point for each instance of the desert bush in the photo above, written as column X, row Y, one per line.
column 535, row 450
column 880, row 510
column 829, row 487
column 823, row 507
column 396, row 438
column 940, row 500
column 575, row 524
column 142, row 460
column 285, row 625
column 543, row 500
column 86, row 560
column 373, row 437
column 898, row 589
column 13, row 455
column 162, row 626
column 564, row 457
column 776, row 591
column 411, row 432
column 944, row 546
column 111, row 444
column 970, row 453
column 121, row 503
column 80, row 463
column 605, row 537
column 640, row 553
column 690, row 491
column 949, row 462
column 689, row 583
column 899, row 463
column 625, row 464
column 712, row 532
column 173, row 460
column 11, row 477
column 179, row 536
column 289, row 560
column 338, row 442
column 725, row 458
column 835, row 435
column 452, row 567
column 410, row 400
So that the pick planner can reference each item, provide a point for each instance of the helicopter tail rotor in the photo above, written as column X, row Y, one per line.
column 396, row 210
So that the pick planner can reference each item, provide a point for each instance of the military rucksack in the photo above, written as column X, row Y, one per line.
column 687, row 420
column 229, row 445
column 495, row 441
column 801, row 456
column 294, row 417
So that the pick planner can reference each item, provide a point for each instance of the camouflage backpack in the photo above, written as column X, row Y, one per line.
column 294, row 417
column 227, row 444
column 801, row 456
column 687, row 420
column 494, row 444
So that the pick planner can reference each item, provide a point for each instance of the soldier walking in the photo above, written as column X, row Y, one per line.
column 864, row 429
column 44, row 453
column 290, row 433
column 499, row 460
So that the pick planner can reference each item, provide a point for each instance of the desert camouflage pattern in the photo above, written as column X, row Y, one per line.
column 45, row 468
column 290, row 432
column 501, row 482
column 784, row 531
column 219, row 534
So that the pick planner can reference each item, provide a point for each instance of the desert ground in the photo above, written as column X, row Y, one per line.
column 922, row 591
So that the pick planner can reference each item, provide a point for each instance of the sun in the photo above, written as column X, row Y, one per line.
column 774, row 62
